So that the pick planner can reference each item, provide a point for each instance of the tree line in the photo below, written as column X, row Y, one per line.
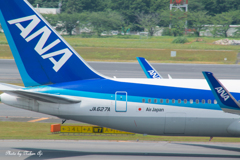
column 105, row 15
column 129, row 7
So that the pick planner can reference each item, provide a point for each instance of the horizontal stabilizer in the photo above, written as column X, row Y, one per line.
column 44, row 97
column 224, row 98
column 169, row 77
column 4, row 86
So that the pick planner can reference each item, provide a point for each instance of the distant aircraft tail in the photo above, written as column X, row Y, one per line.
column 224, row 98
column 148, row 69
column 42, row 56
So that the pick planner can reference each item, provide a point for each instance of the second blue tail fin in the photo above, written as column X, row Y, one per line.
column 42, row 56
column 148, row 69
column 224, row 98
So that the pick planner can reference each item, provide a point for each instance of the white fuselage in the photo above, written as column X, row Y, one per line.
column 145, row 118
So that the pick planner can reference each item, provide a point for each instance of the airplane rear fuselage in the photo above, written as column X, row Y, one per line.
column 156, row 107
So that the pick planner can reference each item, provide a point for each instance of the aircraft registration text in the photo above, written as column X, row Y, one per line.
column 100, row 109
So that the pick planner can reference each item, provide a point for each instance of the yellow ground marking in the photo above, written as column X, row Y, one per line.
column 40, row 119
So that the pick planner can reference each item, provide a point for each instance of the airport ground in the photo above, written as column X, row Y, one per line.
column 106, row 150
column 9, row 72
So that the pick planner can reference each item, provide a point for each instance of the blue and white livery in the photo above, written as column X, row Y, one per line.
column 148, row 69
column 59, row 82
column 224, row 98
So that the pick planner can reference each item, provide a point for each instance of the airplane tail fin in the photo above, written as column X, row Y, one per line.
column 224, row 98
column 41, row 54
column 148, row 69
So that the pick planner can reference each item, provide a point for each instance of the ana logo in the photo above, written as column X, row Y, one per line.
column 154, row 74
column 222, row 93
column 39, row 48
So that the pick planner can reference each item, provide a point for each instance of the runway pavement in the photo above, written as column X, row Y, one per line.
column 108, row 150
column 9, row 72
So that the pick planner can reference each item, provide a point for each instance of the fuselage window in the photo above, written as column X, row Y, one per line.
column 203, row 101
column 197, row 101
column 167, row 100
column 215, row 101
column 209, row 101
column 149, row 100
column 185, row 101
column 179, row 100
column 155, row 100
column 191, row 101
column 173, row 100
column 161, row 100
column 143, row 100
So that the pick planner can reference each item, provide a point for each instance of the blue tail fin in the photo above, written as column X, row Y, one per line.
column 148, row 69
column 42, row 56
column 224, row 98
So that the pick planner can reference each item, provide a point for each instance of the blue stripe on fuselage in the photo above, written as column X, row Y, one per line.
column 105, row 89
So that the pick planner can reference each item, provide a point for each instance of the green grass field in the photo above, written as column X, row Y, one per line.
column 27, row 130
column 155, row 49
